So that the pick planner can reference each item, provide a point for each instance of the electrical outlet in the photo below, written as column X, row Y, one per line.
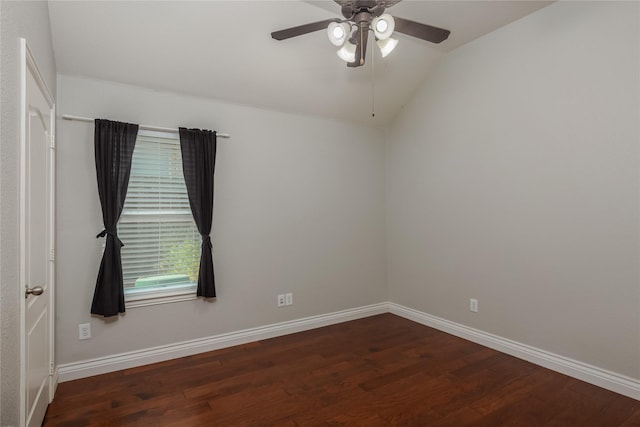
column 84, row 331
column 281, row 300
column 473, row 305
column 288, row 298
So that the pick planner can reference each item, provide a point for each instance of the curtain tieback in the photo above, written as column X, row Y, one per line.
column 206, row 240
column 113, row 233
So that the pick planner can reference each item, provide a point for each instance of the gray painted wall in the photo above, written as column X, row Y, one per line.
column 299, row 207
column 513, row 178
column 31, row 21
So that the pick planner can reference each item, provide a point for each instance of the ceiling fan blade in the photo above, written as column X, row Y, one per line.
column 421, row 31
column 302, row 29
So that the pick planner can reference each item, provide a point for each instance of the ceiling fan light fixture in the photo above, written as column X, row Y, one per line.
column 338, row 32
column 347, row 52
column 383, row 26
column 350, row 35
column 386, row 46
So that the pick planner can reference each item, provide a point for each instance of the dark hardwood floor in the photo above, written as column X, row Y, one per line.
column 379, row 371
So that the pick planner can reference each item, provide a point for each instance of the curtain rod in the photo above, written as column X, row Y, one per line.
column 144, row 127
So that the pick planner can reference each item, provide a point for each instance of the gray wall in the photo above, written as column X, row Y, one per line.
column 31, row 21
column 299, row 207
column 513, row 179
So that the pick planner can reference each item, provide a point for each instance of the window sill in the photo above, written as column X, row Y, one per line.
column 145, row 297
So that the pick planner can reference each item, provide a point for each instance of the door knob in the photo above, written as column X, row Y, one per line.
column 36, row 290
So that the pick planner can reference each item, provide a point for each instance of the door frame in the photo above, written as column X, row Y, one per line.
column 28, row 65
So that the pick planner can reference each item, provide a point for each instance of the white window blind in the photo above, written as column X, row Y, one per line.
column 162, row 243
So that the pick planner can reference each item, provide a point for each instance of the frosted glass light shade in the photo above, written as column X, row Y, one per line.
column 347, row 52
column 383, row 26
column 386, row 46
column 338, row 33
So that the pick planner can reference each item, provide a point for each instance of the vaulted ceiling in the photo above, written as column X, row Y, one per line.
column 223, row 50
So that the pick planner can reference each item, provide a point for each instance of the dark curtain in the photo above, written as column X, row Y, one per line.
column 114, row 143
column 198, row 165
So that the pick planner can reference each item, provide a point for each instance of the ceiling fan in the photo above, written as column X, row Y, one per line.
column 351, row 34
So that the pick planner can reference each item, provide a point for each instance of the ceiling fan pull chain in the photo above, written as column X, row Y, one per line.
column 373, row 84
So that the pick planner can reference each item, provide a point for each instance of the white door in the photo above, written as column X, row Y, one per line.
column 36, row 242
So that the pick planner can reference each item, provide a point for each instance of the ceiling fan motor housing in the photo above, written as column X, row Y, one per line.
column 361, row 17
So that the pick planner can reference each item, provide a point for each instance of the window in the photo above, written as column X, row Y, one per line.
column 161, row 256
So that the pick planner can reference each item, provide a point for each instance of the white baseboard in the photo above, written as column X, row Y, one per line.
column 102, row 365
column 592, row 374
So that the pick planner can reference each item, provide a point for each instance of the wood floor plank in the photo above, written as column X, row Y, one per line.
column 633, row 420
column 378, row 371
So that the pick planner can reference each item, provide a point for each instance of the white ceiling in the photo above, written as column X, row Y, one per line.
column 223, row 50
